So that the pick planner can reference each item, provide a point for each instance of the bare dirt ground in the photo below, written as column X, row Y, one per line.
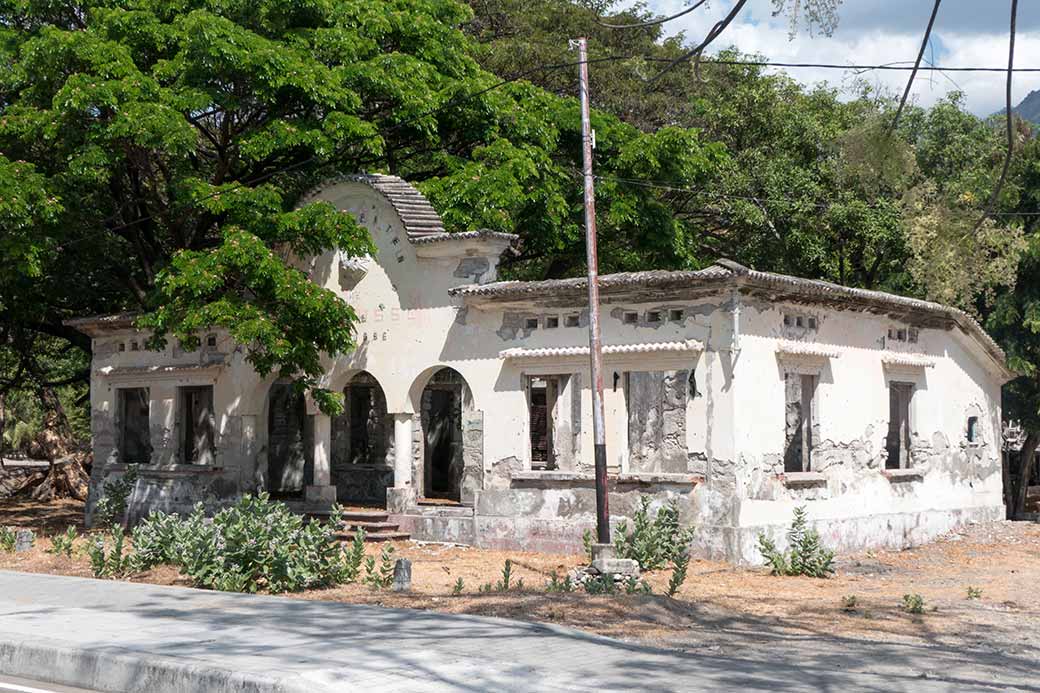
column 726, row 611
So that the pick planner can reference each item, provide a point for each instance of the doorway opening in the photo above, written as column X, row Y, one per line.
column 898, row 440
column 441, row 407
column 362, row 444
column 289, row 461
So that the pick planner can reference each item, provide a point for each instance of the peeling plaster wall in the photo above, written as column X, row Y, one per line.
column 166, row 482
column 856, row 505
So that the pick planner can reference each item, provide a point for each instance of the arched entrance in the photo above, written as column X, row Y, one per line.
column 290, row 465
column 362, row 443
column 442, row 405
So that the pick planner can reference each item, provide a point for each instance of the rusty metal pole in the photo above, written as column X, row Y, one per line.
column 599, row 435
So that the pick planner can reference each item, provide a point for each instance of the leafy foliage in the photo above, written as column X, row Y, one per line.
column 558, row 585
column 114, row 562
column 913, row 603
column 383, row 576
column 682, row 564
column 805, row 554
column 457, row 588
column 110, row 509
column 634, row 585
column 64, row 544
column 254, row 545
column 653, row 542
column 7, row 539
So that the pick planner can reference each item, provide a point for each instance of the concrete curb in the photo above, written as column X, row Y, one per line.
column 121, row 670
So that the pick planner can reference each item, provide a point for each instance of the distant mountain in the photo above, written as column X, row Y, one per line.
column 1029, row 109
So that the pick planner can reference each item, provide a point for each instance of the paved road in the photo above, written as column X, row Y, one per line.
column 121, row 636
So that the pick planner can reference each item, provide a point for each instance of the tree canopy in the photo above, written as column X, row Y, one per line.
column 153, row 154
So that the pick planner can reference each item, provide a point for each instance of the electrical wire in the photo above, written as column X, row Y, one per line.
column 917, row 65
column 653, row 22
column 1009, row 118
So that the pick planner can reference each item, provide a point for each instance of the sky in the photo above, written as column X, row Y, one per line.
column 966, row 33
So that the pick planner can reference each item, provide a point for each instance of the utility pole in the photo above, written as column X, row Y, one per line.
column 599, row 435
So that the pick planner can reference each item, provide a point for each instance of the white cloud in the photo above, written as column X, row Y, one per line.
column 858, row 41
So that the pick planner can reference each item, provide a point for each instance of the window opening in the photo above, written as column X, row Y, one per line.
column 898, row 440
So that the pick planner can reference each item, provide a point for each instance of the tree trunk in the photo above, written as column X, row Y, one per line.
column 3, row 427
column 1025, row 465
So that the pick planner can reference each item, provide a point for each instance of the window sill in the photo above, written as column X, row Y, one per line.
column 627, row 478
column 802, row 479
column 901, row 475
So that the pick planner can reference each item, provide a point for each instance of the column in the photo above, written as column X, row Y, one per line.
column 402, row 450
column 322, row 491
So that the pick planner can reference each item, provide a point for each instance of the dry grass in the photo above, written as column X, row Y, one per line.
column 1001, row 559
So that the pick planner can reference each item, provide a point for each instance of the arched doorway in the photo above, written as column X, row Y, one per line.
column 362, row 443
column 290, row 465
column 442, row 405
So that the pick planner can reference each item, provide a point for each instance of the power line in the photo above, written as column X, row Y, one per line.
column 698, row 50
column 1009, row 122
column 864, row 68
column 653, row 22
column 917, row 65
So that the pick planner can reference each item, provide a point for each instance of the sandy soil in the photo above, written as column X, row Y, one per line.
column 722, row 609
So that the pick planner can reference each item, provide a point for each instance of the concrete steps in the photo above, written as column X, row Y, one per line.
column 375, row 523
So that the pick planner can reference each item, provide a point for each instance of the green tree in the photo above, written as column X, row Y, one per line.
column 1013, row 318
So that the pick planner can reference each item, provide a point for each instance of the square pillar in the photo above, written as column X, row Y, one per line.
column 322, row 490
column 402, row 450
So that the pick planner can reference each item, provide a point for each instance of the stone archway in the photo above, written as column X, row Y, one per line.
column 290, row 464
column 450, row 449
column 362, row 443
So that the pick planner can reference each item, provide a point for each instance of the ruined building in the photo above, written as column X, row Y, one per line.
column 742, row 394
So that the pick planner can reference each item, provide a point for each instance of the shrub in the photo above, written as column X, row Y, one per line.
column 682, row 563
column 64, row 544
column 384, row 576
column 156, row 540
column 634, row 585
column 805, row 554
column 556, row 585
column 974, row 592
column 111, row 507
column 507, row 574
column 601, row 584
column 459, row 586
column 114, row 562
column 7, row 539
column 849, row 602
column 913, row 603
column 587, row 541
column 653, row 543
column 354, row 557
column 254, row 545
